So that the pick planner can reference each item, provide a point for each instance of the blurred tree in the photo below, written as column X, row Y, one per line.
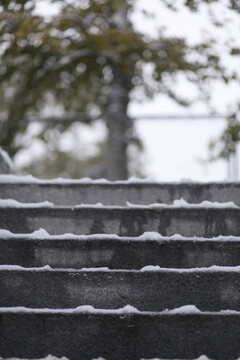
column 90, row 58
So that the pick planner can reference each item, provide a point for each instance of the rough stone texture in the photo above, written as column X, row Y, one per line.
column 118, row 337
column 207, row 222
column 118, row 254
column 119, row 194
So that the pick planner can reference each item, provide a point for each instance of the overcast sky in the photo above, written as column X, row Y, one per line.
column 177, row 149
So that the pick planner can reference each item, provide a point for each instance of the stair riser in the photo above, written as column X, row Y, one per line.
column 116, row 194
column 117, row 254
column 118, row 337
column 206, row 222
column 152, row 291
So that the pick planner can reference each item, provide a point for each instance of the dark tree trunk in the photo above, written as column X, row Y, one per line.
column 118, row 126
column 116, row 116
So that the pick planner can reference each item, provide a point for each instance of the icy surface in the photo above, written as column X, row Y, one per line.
column 17, row 204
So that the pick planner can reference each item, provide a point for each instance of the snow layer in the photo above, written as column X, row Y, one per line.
column 148, row 268
column 16, row 204
column 181, row 203
column 6, row 178
column 128, row 309
column 49, row 357
column 42, row 234
column 29, row 179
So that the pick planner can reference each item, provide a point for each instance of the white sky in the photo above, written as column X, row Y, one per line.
column 176, row 149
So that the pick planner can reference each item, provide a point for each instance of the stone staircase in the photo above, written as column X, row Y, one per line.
column 125, row 286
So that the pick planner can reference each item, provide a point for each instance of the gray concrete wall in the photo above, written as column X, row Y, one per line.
column 119, row 194
column 119, row 337
column 117, row 254
column 148, row 291
column 207, row 222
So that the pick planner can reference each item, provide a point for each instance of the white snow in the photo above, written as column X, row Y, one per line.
column 42, row 234
column 128, row 309
column 89, row 309
column 187, row 309
column 213, row 268
column 202, row 357
column 181, row 203
column 148, row 268
column 29, row 179
column 17, row 204
column 48, row 357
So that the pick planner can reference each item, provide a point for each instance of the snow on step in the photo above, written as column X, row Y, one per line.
column 207, row 222
column 118, row 336
column 152, row 289
column 72, row 192
column 36, row 250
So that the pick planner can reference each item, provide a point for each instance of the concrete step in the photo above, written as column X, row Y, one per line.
column 209, row 289
column 118, row 336
column 118, row 253
column 116, row 193
column 202, row 222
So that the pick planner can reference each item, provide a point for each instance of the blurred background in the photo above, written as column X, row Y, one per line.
column 120, row 88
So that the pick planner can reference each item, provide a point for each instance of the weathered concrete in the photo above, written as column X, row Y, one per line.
column 119, row 193
column 118, row 254
column 118, row 337
column 148, row 291
column 207, row 222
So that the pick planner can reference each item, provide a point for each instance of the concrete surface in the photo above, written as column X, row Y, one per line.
column 119, row 337
column 148, row 291
column 119, row 194
column 117, row 254
column 207, row 222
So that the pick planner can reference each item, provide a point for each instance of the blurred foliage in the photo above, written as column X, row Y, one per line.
column 69, row 58
column 226, row 144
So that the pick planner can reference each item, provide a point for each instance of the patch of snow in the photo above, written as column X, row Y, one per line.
column 206, row 204
column 186, row 309
column 213, row 268
column 151, row 268
column 48, row 357
column 202, row 357
column 42, row 234
column 88, row 309
column 128, row 309
column 17, row 204
column 181, row 203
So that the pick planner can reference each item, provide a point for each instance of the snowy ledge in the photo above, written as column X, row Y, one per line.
column 128, row 309
column 29, row 179
column 145, row 269
column 179, row 203
column 151, row 236
column 50, row 357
